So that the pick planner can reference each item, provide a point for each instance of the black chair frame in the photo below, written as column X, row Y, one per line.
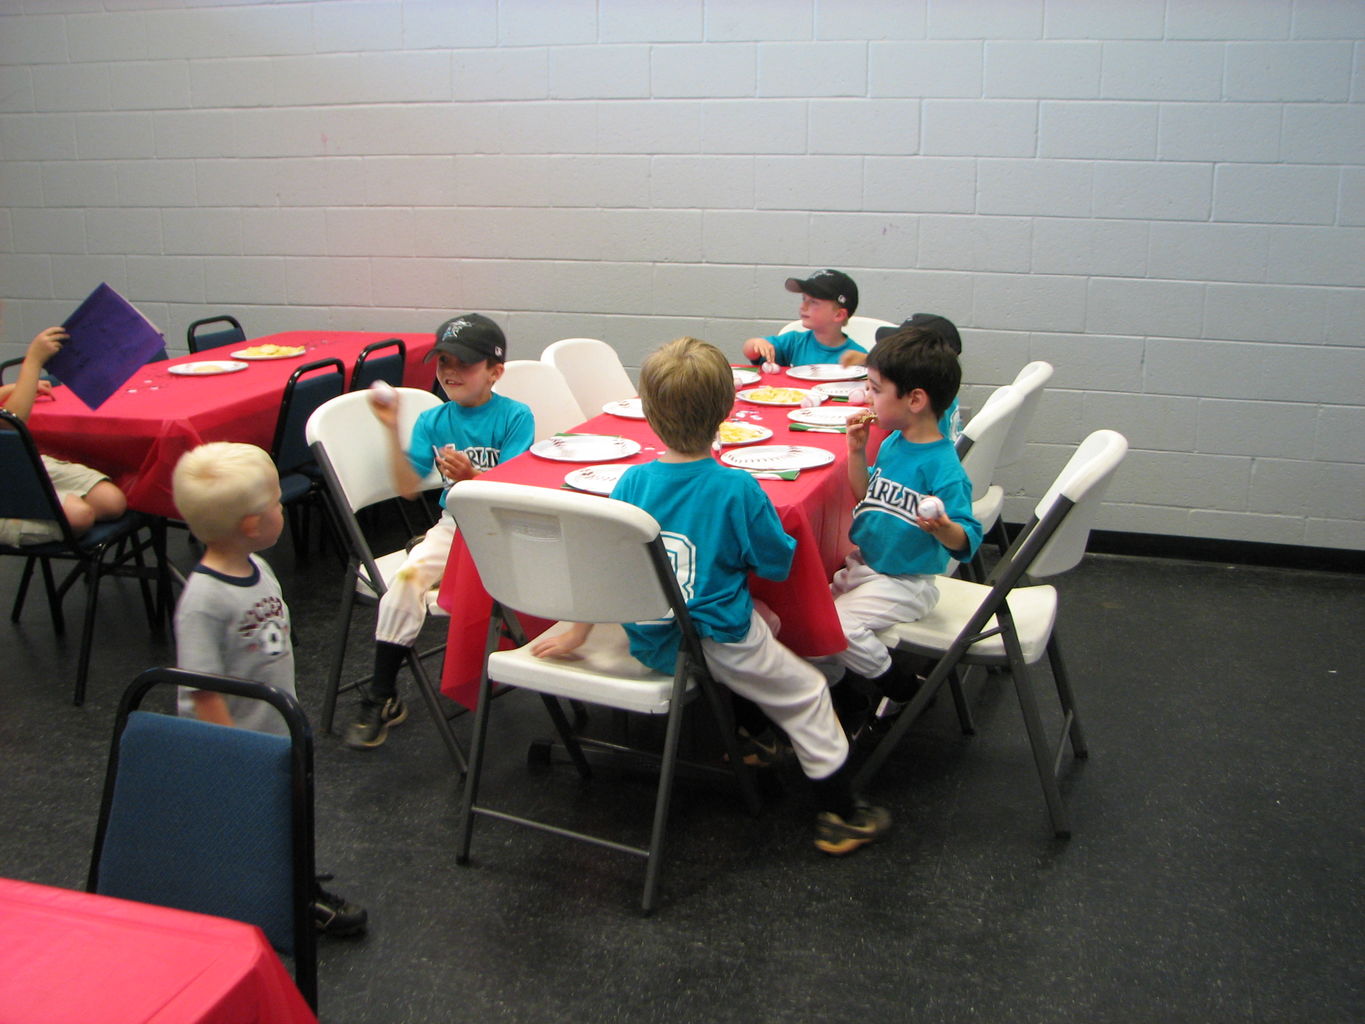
column 119, row 541
column 202, row 341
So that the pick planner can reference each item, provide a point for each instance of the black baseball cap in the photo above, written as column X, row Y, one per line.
column 470, row 338
column 828, row 284
column 939, row 326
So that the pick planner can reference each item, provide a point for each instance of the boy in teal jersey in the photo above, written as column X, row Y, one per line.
column 828, row 299
column 719, row 526
column 913, row 376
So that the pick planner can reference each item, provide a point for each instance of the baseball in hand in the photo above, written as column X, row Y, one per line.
column 383, row 392
column 930, row 507
column 770, row 367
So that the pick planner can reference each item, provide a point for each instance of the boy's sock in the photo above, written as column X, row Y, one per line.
column 834, row 793
column 388, row 659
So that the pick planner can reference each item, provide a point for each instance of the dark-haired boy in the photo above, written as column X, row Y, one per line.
column 912, row 378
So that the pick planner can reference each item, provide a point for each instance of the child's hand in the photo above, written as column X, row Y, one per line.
column 858, row 425
column 454, row 464
column 760, row 350
column 851, row 358
column 47, row 343
column 563, row 644
column 385, row 412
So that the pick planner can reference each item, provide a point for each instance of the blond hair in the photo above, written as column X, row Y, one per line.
column 687, row 389
column 216, row 485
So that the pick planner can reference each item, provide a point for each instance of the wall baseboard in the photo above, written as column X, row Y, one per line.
column 1240, row 552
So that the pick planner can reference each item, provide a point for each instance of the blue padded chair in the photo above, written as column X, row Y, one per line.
column 370, row 367
column 309, row 386
column 228, row 332
column 114, row 548
column 212, row 819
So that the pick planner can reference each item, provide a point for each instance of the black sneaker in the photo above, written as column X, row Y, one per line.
column 766, row 750
column 838, row 836
column 332, row 915
column 372, row 721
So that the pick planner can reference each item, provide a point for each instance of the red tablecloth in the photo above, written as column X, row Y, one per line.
column 137, row 436
column 69, row 957
column 816, row 509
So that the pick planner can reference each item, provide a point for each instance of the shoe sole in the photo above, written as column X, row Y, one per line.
column 844, row 846
column 380, row 736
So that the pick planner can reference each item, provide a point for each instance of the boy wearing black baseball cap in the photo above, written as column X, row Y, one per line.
column 463, row 437
column 828, row 299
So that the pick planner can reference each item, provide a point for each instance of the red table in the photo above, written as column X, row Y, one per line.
column 816, row 509
column 70, row 957
column 141, row 431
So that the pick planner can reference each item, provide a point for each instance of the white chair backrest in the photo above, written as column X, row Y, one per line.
column 988, row 430
column 1082, row 480
column 545, row 390
column 862, row 329
column 357, row 445
column 593, row 370
column 560, row 554
column 1029, row 383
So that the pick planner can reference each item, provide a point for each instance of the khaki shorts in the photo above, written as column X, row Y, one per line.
column 68, row 478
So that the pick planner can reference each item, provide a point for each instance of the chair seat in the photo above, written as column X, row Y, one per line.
column 605, row 673
column 986, row 509
column 1034, row 610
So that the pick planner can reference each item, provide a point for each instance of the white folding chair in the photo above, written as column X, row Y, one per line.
column 1000, row 623
column 1029, row 383
column 978, row 446
column 351, row 449
column 862, row 329
column 544, row 389
column 583, row 558
column 593, row 371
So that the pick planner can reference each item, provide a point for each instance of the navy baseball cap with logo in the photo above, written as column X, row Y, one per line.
column 470, row 338
column 939, row 326
column 828, row 284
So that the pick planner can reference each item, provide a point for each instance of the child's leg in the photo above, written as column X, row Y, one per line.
column 403, row 608
column 866, row 601
column 87, row 495
column 791, row 692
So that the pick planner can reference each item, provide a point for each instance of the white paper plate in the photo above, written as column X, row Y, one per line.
column 595, row 479
column 630, row 408
column 734, row 433
column 827, row 371
column 285, row 352
column 840, row 388
column 779, row 396
column 777, row 458
column 205, row 368
column 585, row 448
column 743, row 378
column 825, row 415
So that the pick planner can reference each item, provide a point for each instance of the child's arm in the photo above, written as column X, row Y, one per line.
column 19, row 398
column 857, row 452
column 405, row 479
column 760, row 350
column 564, row 644
column 945, row 531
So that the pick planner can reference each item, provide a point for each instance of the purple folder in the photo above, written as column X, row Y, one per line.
column 110, row 341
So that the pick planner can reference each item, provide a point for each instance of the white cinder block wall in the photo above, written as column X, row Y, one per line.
column 1164, row 198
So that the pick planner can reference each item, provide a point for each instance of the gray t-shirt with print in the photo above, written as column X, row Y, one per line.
column 236, row 626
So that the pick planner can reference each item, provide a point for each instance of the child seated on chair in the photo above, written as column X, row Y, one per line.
column 472, row 432
column 231, row 619
column 828, row 299
column 87, row 495
column 720, row 526
column 912, row 377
